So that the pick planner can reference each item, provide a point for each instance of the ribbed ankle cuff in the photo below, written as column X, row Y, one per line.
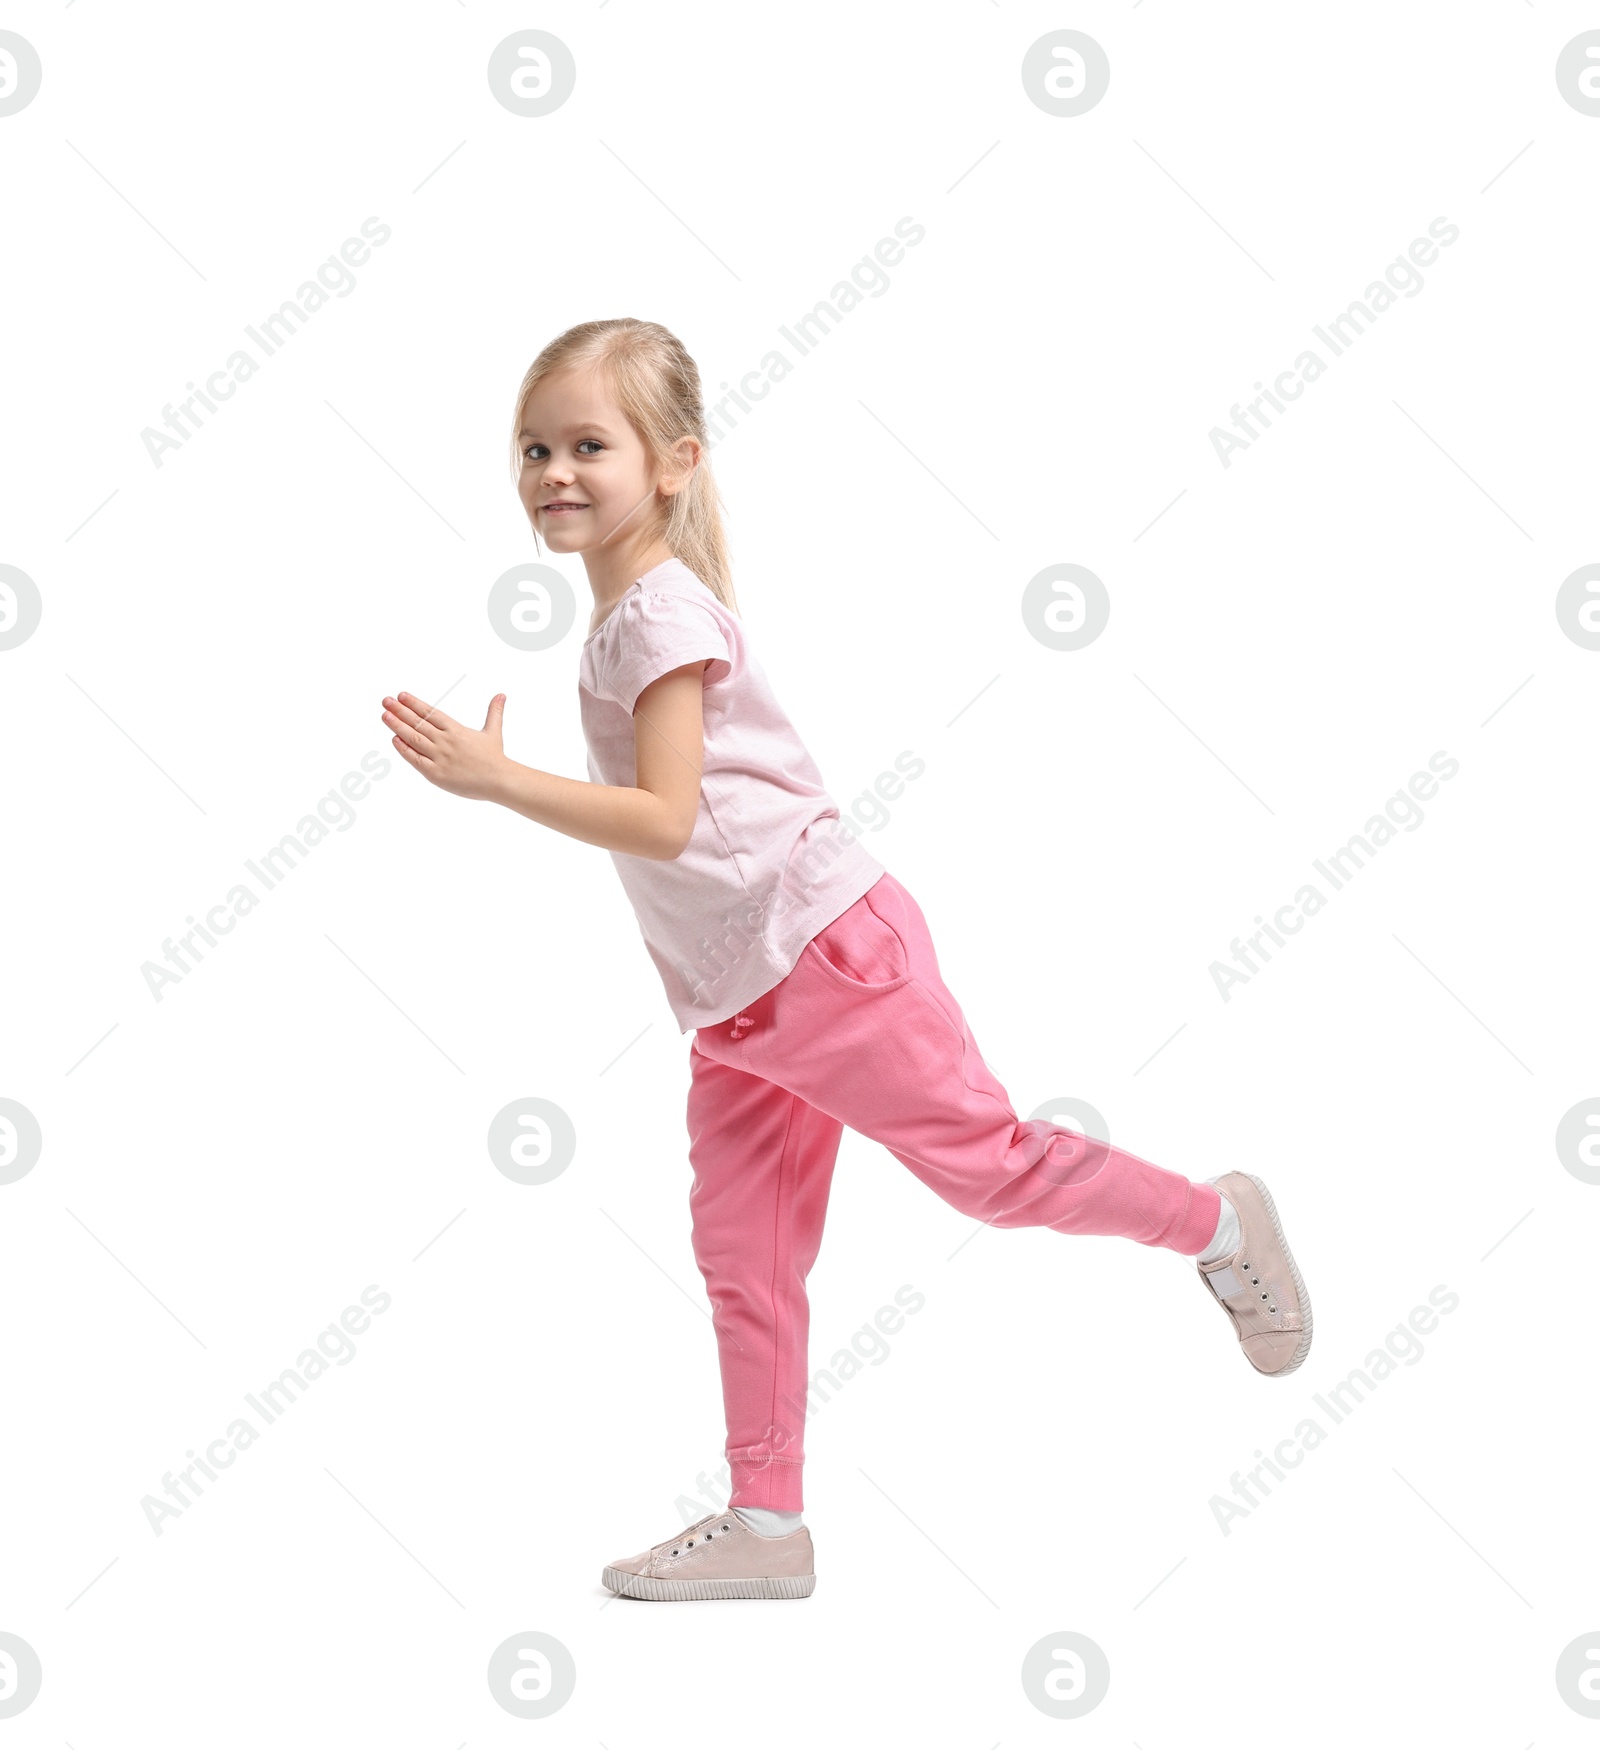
column 774, row 1482
column 1193, row 1233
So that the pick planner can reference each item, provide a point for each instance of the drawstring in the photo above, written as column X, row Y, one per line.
column 741, row 1025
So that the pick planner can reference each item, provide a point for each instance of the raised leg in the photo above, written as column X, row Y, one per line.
column 863, row 1029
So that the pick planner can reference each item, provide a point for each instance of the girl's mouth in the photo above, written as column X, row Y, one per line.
column 563, row 508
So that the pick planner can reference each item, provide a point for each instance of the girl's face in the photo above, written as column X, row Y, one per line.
column 580, row 450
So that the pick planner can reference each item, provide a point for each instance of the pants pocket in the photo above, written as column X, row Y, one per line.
column 861, row 949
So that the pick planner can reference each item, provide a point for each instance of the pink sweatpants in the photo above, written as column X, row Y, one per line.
column 863, row 1032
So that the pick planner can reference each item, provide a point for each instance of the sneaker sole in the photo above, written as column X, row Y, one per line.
column 1304, row 1348
column 643, row 1586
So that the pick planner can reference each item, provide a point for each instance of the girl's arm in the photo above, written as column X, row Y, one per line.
column 654, row 817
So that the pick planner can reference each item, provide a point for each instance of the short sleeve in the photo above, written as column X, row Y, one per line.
column 656, row 633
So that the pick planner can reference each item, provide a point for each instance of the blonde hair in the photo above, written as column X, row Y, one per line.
column 655, row 382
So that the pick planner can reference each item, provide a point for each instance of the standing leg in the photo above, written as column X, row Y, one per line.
column 763, row 1163
column 864, row 1029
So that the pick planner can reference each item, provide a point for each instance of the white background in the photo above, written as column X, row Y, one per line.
column 1291, row 637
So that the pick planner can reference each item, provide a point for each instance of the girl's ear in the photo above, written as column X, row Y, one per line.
column 685, row 459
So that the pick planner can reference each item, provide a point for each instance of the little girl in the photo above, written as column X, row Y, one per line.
column 802, row 967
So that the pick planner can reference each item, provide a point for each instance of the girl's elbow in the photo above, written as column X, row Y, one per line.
column 668, row 831
column 661, row 846
column 677, row 842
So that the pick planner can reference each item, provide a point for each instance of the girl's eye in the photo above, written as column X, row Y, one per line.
column 528, row 454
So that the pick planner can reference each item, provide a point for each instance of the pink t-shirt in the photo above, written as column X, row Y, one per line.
column 770, row 862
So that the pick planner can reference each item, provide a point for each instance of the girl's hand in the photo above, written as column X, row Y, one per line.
column 466, row 762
